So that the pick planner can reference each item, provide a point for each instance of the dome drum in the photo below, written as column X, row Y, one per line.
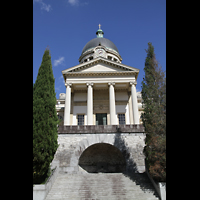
column 102, row 51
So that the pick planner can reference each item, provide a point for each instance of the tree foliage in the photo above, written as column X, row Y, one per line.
column 45, row 120
column 154, row 116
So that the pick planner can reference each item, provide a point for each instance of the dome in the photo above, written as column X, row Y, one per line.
column 102, row 41
column 100, row 47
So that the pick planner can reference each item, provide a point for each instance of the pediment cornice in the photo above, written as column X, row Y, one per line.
column 78, row 69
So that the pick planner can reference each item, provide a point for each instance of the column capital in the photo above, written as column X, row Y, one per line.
column 133, row 83
column 90, row 83
column 68, row 84
column 111, row 83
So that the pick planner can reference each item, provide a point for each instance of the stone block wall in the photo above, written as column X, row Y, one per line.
column 71, row 147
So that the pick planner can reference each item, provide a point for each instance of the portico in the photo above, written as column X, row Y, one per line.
column 111, row 92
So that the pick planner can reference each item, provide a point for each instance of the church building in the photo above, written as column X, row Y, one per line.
column 100, row 90
column 100, row 128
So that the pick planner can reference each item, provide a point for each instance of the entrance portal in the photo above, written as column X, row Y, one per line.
column 101, row 119
column 102, row 157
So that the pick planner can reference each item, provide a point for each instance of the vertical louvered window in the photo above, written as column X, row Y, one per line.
column 80, row 119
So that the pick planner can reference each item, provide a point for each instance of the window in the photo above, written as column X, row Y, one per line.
column 101, row 119
column 115, row 59
column 80, row 119
column 109, row 58
column 91, row 58
column 121, row 118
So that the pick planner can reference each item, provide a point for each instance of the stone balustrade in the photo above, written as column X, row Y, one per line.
column 132, row 128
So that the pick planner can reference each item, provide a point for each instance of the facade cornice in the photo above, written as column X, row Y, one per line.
column 99, row 60
column 80, row 74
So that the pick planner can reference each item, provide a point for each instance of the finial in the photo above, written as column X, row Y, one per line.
column 99, row 32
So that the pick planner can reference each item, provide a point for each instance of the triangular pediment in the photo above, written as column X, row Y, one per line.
column 100, row 65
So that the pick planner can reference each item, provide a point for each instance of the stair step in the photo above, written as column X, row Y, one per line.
column 101, row 187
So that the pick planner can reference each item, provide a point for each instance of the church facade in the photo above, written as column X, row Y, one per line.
column 100, row 128
column 100, row 90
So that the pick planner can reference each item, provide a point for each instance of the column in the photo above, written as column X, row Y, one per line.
column 134, row 102
column 67, row 104
column 89, row 104
column 113, row 118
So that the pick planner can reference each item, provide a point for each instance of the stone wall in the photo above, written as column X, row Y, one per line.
column 71, row 147
column 40, row 191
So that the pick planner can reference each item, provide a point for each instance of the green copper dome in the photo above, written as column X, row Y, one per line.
column 99, row 33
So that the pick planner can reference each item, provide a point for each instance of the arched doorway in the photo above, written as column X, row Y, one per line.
column 102, row 157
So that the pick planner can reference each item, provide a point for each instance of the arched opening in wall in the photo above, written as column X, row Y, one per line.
column 102, row 157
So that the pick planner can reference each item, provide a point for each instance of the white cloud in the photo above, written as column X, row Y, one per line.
column 43, row 6
column 77, row 3
column 73, row 2
column 59, row 61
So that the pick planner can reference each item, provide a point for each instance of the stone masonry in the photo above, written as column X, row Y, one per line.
column 74, row 140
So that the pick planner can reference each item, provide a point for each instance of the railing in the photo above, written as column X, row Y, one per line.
column 132, row 128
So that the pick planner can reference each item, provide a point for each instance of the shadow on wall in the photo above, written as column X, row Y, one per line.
column 102, row 157
column 120, row 144
column 131, row 171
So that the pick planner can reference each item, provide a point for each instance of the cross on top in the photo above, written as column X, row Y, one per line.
column 99, row 26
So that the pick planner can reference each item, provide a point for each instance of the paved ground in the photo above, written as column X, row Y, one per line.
column 101, row 186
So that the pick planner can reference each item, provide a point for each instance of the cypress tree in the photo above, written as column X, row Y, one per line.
column 154, row 116
column 45, row 120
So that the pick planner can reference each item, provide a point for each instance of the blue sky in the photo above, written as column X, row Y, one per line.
column 67, row 25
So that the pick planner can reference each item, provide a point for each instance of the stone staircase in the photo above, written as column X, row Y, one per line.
column 106, row 186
